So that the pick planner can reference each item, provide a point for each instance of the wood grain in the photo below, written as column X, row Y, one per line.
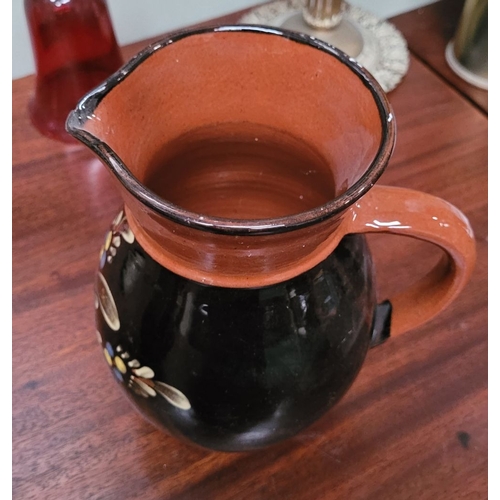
column 397, row 434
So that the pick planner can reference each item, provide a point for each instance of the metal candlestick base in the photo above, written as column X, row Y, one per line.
column 375, row 44
column 346, row 36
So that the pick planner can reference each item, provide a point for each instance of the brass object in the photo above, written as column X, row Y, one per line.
column 324, row 19
column 467, row 53
column 323, row 14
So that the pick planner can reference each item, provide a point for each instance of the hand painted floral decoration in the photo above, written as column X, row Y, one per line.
column 130, row 372
column 119, row 230
column 141, row 378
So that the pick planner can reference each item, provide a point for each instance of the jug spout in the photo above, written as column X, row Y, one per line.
column 219, row 183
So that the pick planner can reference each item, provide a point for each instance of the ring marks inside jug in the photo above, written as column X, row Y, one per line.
column 241, row 171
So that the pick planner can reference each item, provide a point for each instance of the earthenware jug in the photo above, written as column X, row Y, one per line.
column 235, row 297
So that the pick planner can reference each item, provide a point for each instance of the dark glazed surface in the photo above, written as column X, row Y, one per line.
column 256, row 365
column 396, row 434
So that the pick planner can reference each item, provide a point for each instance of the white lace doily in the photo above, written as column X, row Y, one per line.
column 384, row 54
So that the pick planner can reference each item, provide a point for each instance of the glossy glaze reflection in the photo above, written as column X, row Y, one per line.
column 233, row 369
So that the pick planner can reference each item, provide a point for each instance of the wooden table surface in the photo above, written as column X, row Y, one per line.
column 413, row 425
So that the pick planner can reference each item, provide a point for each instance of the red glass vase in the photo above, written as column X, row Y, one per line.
column 75, row 49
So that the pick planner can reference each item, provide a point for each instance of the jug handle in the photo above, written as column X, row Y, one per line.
column 407, row 212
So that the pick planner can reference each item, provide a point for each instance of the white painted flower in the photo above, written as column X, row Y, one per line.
column 106, row 303
column 140, row 379
column 119, row 230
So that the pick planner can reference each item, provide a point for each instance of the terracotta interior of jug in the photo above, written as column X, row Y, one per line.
column 242, row 125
